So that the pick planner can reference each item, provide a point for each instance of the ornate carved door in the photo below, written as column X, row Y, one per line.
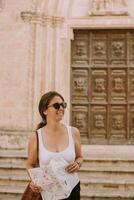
column 102, row 86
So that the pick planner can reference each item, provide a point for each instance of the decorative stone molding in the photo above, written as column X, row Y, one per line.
column 42, row 19
column 108, row 7
column 13, row 140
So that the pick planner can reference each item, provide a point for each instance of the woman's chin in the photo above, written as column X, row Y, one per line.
column 59, row 118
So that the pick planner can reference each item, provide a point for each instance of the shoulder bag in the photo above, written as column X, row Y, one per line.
column 29, row 194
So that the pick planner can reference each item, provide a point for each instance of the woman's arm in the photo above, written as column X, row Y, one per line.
column 32, row 159
column 78, row 151
column 75, row 166
column 32, row 152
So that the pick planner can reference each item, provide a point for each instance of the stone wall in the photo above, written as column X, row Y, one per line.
column 35, row 40
column 16, row 82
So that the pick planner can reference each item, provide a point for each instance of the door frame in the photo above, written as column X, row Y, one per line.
column 67, row 34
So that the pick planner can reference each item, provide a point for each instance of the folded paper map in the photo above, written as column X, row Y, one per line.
column 54, row 180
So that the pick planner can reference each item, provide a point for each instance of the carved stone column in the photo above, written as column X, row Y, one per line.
column 46, row 59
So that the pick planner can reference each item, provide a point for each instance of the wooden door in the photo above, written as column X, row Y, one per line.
column 102, row 85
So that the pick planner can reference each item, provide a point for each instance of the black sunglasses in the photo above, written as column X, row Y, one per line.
column 57, row 105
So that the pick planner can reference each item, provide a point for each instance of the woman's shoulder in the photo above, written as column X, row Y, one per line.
column 33, row 138
column 75, row 131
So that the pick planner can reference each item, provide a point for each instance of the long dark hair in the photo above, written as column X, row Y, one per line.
column 43, row 104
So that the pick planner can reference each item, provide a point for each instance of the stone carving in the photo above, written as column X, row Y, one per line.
column 117, row 49
column 42, row 19
column 132, row 119
column 133, row 122
column 99, row 121
column 81, row 49
column 109, row 7
column 118, row 85
column 109, row 95
column 132, row 49
column 99, row 49
column 132, row 85
column 80, row 83
column 118, row 122
column 80, row 120
column 99, row 85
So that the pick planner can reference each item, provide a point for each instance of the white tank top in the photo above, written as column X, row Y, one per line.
column 45, row 155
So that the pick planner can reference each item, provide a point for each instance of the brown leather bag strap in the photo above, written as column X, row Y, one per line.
column 37, row 141
column 37, row 138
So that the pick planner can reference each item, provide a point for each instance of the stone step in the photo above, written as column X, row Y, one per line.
column 13, row 154
column 108, row 152
column 15, row 194
column 85, row 173
column 107, row 194
column 4, row 189
column 96, row 184
column 104, row 198
column 13, row 177
column 106, row 175
column 22, row 179
column 13, row 181
column 112, row 181
column 11, row 163
column 93, row 164
column 10, row 196
column 14, row 174
column 90, row 152
column 14, row 158
column 113, row 165
column 11, row 192
column 115, row 169
column 108, row 185
column 107, row 198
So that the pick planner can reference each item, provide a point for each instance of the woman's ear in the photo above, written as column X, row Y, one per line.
column 45, row 112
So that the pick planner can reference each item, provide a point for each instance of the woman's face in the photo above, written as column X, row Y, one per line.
column 55, row 109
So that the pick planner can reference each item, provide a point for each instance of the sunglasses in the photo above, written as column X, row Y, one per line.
column 58, row 105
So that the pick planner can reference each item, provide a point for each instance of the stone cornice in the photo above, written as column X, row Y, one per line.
column 105, row 22
column 42, row 19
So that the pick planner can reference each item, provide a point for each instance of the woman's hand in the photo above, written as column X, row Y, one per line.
column 72, row 167
column 35, row 188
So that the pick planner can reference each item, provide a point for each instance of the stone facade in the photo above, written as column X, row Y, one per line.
column 35, row 49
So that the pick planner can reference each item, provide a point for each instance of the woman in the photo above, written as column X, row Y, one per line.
column 55, row 138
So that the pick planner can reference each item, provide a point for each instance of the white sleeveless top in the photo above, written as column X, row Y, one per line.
column 45, row 155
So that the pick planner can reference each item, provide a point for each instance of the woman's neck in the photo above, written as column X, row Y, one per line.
column 51, row 126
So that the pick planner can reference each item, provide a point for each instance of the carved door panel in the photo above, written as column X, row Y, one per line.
column 102, row 86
